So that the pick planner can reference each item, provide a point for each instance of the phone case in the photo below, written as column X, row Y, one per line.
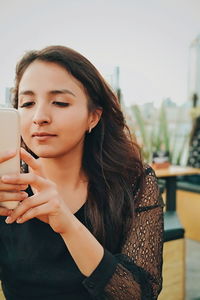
column 10, row 140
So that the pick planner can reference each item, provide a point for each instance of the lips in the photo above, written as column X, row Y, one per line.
column 42, row 134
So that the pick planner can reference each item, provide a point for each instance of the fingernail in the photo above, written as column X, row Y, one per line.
column 8, row 220
column 19, row 220
column 11, row 152
column 6, row 177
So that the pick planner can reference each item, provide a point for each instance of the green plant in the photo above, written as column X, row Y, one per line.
column 158, row 134
column 154, row 136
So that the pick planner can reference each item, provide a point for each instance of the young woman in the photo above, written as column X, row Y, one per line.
column 89, row 224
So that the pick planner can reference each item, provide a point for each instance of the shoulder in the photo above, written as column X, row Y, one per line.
column 147, row 193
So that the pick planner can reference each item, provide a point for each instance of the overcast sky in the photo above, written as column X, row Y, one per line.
column 148, row 39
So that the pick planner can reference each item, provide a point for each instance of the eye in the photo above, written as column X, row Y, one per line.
column 62, row 104
column 27, row 104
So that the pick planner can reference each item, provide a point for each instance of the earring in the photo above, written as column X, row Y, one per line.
column 89, row 130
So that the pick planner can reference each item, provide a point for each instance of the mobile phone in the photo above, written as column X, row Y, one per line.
column 10, row 140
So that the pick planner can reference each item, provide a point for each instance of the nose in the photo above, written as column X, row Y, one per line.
column 41, row 116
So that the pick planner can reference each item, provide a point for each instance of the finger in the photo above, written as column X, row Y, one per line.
column 28, row 178
column 7, row 155
column 5, row 211
column 12, row 196
column 31, row 161
column 35, row 212
column 12, row 187
column 25, row 206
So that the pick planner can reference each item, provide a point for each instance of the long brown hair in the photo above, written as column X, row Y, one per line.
column 111, row 159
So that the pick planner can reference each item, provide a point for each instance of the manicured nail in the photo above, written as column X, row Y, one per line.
column 8, row 220
column 8, row 153
column 6, row 177
column 11, row 152
column 19, row 220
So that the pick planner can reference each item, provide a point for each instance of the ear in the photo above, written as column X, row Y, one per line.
column 94, row 118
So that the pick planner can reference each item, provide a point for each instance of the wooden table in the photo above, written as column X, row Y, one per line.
column 170, row 174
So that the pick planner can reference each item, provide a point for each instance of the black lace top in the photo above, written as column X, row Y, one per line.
column 36, row 264
column 194, row 152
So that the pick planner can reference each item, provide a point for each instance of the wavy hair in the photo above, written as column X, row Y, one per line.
column 111, row 160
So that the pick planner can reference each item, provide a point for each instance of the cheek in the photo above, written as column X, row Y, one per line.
column 75, row 121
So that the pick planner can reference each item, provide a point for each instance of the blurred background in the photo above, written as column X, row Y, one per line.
column 150, row 41
column 148, row 51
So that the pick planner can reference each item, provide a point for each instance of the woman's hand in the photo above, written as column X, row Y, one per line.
column 46, row 204
column 10, row 192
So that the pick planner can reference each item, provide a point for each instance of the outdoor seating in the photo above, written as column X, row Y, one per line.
column 188, row 186
column 173, row 258
column 188, row 208
column 173, row 229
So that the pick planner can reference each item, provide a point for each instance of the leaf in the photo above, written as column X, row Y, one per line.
column 144, row 136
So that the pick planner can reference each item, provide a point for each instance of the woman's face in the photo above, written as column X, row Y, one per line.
column 54, row 111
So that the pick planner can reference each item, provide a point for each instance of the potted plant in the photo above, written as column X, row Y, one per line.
column 162, row 142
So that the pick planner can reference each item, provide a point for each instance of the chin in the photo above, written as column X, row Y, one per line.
column 46, row 155
column 44, row 152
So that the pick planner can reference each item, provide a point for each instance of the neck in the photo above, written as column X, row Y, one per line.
column 64, row 171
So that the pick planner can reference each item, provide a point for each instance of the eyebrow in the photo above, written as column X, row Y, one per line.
column 53, row 92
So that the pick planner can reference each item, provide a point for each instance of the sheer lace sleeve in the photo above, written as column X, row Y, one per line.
column 138, row 274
